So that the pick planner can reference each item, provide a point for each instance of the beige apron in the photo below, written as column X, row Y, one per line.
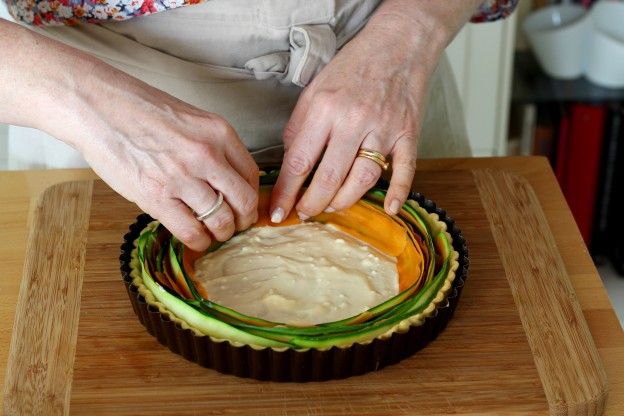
column 246, row 60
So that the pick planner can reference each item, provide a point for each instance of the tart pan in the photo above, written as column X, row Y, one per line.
column 288, row 364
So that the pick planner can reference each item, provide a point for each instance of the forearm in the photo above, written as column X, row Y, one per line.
column 432, row 21
column 39, row 78
column 67, row 93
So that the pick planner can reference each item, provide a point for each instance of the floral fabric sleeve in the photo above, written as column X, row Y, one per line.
column 73, row 12
column 492, row 10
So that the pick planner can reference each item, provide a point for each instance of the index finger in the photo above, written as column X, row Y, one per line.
column 298, row 162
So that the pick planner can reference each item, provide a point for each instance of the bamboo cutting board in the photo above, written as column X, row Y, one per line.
column 518, row 343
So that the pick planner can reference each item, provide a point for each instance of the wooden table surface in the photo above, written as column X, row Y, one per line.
column 19, row 190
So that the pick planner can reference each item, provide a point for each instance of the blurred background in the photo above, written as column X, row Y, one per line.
column 547, row 81
column 566, row 103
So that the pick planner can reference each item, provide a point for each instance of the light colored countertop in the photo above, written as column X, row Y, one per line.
column 19, row 190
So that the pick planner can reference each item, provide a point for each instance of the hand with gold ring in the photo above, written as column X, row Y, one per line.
column 366, row 105
column 362, row 114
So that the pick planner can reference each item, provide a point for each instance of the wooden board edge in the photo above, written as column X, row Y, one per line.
column 41, row 353
column 566, row 357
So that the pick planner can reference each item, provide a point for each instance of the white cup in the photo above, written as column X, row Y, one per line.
column 559, row 35
column 605, row 63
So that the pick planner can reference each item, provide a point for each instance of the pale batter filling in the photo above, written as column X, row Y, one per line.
column 302, row 274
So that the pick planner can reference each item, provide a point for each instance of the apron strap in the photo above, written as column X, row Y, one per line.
column 311, row 48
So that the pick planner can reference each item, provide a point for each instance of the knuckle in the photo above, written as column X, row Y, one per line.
column 361, row 112
column 329, row 178
column 189, row 235
column 410, row 136
column 289, row 132
column 364, row 110
column 298, row 164
column 221, row 221
column 307, row 210
column 355, row 117
column 325, row 99
column 205, row 152
column 224, row 236
column 247, row 222
column 367, row 177
column 253, row 172
column 220, row 127
column 155, row 190
column 249, row 204
column 182, row 169
column 386, row 117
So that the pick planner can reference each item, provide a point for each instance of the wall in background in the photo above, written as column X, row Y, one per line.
column 481, row 57
column 4, row 160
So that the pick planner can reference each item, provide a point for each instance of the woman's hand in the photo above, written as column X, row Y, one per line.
column 371, row 95
column 168, row 157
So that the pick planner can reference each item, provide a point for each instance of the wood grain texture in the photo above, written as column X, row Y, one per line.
column 481, row 364
column 18, row 191
column 565, row 355
column 41, row 356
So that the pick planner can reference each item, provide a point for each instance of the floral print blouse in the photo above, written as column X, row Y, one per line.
column 73, row 12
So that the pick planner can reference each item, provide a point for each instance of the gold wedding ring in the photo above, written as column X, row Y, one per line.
column 375, row 157
column 212, row 210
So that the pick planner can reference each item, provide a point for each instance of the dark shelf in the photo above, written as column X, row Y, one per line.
column 532, row 85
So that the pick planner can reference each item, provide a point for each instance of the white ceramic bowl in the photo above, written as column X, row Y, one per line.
column 559, row 35
column 605, row 63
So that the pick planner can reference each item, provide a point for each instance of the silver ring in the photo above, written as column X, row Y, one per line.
column 212, row 210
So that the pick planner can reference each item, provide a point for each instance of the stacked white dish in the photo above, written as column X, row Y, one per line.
column 570, row 41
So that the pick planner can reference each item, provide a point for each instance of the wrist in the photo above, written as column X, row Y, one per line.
column 61, row 98
column 411, row 43
column 436, row 21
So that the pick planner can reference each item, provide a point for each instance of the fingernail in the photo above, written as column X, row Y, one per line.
column 302, row 216
column 277, row 216
column 330, row 209
column 394, row 206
